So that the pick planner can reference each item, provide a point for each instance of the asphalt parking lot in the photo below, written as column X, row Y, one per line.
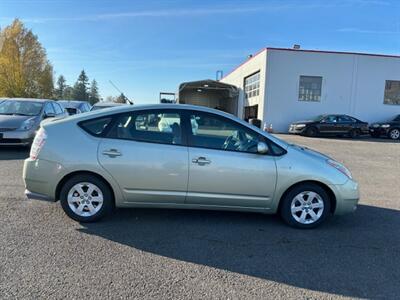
column 144, row 253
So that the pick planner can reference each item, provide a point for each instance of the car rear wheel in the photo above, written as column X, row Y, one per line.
column 354, row 133
column 394, row 134
column 86, row 198
column 305, row 206
column 311, row 132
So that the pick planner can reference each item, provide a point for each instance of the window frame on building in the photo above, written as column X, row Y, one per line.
column 396, row 100
column 251, row 85
column 303, row 95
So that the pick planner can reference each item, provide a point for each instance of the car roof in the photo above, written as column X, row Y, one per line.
column 72, row 103
column 26, row 99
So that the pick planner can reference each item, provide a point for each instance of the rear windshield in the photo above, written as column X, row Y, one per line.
column 20, row 108
column 95, row 127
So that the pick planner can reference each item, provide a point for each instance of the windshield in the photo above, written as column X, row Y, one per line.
column 319, row 118
column 397, row 119
column 20, row 108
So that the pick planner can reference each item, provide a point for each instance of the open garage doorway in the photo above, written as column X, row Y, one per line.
column 210, row 93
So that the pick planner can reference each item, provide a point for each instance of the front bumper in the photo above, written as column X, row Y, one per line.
column 379, row 131
column 347, row 197
column 17, row 137
column 296, row 130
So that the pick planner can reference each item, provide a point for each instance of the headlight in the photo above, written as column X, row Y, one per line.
column 338, row 166
column 385, row 126
column 27, row 124
column 300, row 125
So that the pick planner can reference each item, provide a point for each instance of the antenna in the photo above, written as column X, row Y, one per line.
column 127, row 99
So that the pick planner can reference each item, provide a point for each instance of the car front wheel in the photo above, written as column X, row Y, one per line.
column 305, row 206
column 86, row 198
column 394, row 134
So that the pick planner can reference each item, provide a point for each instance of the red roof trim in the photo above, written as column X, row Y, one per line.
column 333, row 52
column 310, row 51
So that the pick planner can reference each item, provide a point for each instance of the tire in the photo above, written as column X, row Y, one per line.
column 354, row 133
column 296, row 206
column 394, row 134
column 86, row 198
column 311, row 131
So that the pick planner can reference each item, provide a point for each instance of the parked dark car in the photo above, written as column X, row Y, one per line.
column 74, row 107
column 334, row 125
column 20, row 119
column 390, row 129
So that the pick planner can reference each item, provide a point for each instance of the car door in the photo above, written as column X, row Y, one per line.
column 225, row 169
column 329, row 125
column 149, row 162
column 345, row 123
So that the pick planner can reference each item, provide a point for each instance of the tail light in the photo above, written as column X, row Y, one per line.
column 38, row 143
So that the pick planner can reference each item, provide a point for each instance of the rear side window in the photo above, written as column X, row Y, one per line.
column 161, row 127
column 96, row 127
column 58, row 109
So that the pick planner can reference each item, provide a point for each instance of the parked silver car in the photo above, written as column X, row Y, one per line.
column 74, row 107
column 106, row 104
column 20, row 119
column 120, row 157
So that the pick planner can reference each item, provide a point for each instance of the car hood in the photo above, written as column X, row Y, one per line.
column 12, row 121
column 387, row 122
column 310, row 152
column 303, row 122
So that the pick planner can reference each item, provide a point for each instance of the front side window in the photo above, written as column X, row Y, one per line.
column 310, row 88
column 23, row 108
column 252, row 85
column 346, row 119
column 330, row 119
column 49, row 109
column 215, row 132
column 392, row 92
column 163, row 127
column 58, row 109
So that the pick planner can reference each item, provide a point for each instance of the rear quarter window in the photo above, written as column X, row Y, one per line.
column 96, row 127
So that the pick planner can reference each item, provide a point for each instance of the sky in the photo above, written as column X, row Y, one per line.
column 145, row 47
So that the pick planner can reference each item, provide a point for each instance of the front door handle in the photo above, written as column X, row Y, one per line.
column 201, row 161
column 112, row 153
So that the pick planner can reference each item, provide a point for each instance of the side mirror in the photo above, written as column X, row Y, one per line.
column 49, row 115
column 262, row 148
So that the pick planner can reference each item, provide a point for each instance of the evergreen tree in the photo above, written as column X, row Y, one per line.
column 94, row 93
column 121, row 99
column 61, row 86
column 81, row 87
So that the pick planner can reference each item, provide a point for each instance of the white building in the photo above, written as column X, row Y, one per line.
column 279, row 85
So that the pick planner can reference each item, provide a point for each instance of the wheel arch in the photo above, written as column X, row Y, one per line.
column 82, row 172
column 326, row 188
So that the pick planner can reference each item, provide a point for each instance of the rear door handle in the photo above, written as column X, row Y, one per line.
column 201, row 161
column 112, row 153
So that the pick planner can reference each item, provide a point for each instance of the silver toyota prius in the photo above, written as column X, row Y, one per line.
column 181, row 156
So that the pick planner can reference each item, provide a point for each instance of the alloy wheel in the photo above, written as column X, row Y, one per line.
column 307, row 207
column 395, row 134
column 85, row 199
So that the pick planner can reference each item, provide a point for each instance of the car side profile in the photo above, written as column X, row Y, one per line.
column 330, row 125
column 390, row 129
column 207, row 159
column 20, row 119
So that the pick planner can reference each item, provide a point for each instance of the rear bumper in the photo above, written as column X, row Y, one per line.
column 41, row 178
column 36, row 196
column 347, row 197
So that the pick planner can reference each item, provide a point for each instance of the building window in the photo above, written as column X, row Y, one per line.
column 250, row 112
column 310, row 88
column 392, row 92
column 252, row 85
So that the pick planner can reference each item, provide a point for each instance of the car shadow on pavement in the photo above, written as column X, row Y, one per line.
column 14, row 153
column 355, row 255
